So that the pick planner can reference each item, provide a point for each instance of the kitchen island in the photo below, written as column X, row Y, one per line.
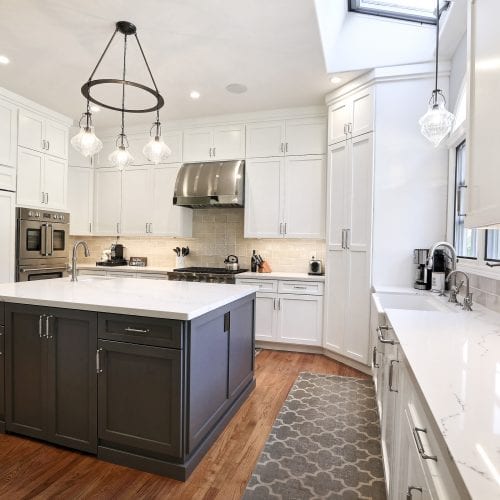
column 141, row 373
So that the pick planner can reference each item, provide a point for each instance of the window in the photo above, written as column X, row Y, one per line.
column 465, row 239
column 492, row 251
column 422, row 11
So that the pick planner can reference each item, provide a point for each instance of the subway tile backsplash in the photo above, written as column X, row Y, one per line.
column 485, row 291
column 216, row 234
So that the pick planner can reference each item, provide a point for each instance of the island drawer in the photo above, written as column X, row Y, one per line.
column 139, row 330
column 301, row 287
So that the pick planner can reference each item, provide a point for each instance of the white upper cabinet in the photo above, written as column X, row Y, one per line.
column 351, row 116
column 285, row 197
column 107, row 201
column 41, row 134
column 55, row 182
column 80, row 200
column 300, row 136
column 304, row 188
column 483, row 110
column 8, row 135
column 225, row 142
column 136, row 201
column 173, row 139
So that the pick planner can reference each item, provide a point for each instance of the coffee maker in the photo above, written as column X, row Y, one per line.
column 117, row 255
column 423, row 276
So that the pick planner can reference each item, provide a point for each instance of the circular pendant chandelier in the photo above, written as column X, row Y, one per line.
column 87, row 143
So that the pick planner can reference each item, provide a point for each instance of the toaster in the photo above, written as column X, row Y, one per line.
column 315, row 267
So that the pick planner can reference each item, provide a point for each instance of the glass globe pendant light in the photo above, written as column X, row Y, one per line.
column 156, row 150
column 436, row 124
column 86, row 142
column 121, row 157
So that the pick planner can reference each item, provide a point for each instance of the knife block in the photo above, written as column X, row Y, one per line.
column 265, row 268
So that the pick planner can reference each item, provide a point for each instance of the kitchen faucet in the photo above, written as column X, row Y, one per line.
column 432, row 251
column 467, row 304
column 74, row 272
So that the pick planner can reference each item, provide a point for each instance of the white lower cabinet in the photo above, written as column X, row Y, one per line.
column 80, row 200
column 8, row 232
column 294, row 317
column 122, row 274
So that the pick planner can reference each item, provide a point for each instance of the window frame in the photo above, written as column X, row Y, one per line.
column 485, row 256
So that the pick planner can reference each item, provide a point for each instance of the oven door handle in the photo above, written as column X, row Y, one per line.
column 26, row 270
column 43, row 241
column 49, row 226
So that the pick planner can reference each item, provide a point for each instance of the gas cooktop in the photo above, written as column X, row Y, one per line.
column 208, row 270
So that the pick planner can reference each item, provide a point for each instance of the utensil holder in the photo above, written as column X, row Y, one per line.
column 179, row 262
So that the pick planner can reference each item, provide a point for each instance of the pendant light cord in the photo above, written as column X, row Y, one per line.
column 436, row 90
column 102, row 55
column 123, row 87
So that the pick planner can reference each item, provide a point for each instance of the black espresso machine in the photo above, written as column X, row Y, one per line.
column 423, row 276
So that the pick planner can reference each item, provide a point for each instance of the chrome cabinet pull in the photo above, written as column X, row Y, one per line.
column 349, row 128
column 381, row 337
column 118, row 227
column 285, row 228
column 297, row 287
column 343, row 238
column 345, row 128
column 279, row 304
column 374, row 358
column 150, row 227
column 48, row 145
column 137, row 330
column 286, row 147
column 147, row 227
column 90, row 227
column 210, row 152
column 214, row 152
column 274, row 304
column 40, row 325
column 391, row 375
column 420, row 446
column 281, row 227
column 98, row 360
column 411, row 489
column 46, row 198
column 281, row 148
column 347, row 238
column 48, row 335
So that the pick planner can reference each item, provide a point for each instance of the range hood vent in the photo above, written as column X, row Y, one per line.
column 210, row 184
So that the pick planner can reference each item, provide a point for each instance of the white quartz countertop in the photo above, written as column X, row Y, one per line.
column 177, row 300
column 281, row 276
column 455, row 358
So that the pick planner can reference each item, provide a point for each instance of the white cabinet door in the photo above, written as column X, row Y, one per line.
column 136, row 144
column 56, row 137
column 265, row 139
column 31, row 130
column 30, row 178
column 136, row 201
column 173, row 139
column 8, row 232
column 339, row 115
column 107, row 201
column 362, row 113
column 198, row 144
column 166, row 218
column 304, row 181
column 55, row 182
column 300, row 319
column 263, row 193
column 229, row 142
column 336, row 299
column 108, row 146
column 8, row 134
column 338, row 189
column 80, row 200
column 266, row 319
column 306, row 136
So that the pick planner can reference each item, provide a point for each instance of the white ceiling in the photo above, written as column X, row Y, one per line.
column 273, row 47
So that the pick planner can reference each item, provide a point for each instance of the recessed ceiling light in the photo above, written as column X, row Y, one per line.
column 236, row 88
column 4, row 60
column 94, row 108
column 335, row 80
column 194, row 94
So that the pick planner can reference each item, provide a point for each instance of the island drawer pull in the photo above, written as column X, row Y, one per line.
column 391, row 375
column 40, row 327
column 297, row 287
column 420, row 446
column 48, row 336
column 98, row 360
column 374, row 358
column 137, row 330
column 381, row 337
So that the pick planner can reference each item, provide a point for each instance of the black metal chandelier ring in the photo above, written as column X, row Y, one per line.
column 92, row 83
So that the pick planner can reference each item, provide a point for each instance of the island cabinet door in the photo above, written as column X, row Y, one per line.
column 140, row 398
column 26, row 371
column 2, row 377
column 71, row 338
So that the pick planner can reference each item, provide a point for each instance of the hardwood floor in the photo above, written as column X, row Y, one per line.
column 32, row 469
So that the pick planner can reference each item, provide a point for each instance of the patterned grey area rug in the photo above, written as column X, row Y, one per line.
column 324, row 444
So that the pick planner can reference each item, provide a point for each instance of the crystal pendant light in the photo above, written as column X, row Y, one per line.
column 86, row 142
column 121, row 157
column 156, row 150
column 436, row 124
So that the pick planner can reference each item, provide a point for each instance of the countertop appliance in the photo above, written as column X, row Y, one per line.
column 231, row 263
column 205, row 274
column 210, row 184
column 422, row 274
column 115, row 257
column 315, row 267
column 41, row 244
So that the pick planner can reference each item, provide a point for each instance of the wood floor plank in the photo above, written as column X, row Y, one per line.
column 31, row 469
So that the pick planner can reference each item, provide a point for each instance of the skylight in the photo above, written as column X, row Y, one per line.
column 422, row 11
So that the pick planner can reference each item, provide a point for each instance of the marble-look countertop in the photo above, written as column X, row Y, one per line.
column 455, row 359
column 281, row 276
column 179, row 300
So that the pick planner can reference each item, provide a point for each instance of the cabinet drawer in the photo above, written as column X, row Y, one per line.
column 152, row 276
column 138, row 330
column 267, row 286
column 301, row 287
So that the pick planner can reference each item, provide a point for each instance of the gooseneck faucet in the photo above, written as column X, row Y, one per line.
column 467, row 304
column 445, row 244
column 74, row 272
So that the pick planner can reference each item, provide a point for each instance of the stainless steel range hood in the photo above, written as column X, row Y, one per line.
column 210, row 184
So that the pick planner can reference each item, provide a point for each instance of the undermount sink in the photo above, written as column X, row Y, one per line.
column 412, row 302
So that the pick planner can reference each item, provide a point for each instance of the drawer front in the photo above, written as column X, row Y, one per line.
column 152, row 276
column 301, row 287
column 138, row 330
column 120, row 274
column 90, row 272
column 267, row 286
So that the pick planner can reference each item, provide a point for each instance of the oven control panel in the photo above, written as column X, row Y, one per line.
column 43, row 216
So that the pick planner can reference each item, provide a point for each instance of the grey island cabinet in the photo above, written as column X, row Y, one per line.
column 146, row 391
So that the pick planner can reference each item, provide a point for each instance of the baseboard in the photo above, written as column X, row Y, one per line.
column 311, row 349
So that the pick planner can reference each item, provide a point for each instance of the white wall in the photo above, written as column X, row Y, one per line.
column 458, row 69
column 410, row 196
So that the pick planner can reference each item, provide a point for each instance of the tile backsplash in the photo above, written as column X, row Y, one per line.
column 485, row 291
column 216, row 234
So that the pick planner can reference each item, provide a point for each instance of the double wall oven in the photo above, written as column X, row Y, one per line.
column 41, row 246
